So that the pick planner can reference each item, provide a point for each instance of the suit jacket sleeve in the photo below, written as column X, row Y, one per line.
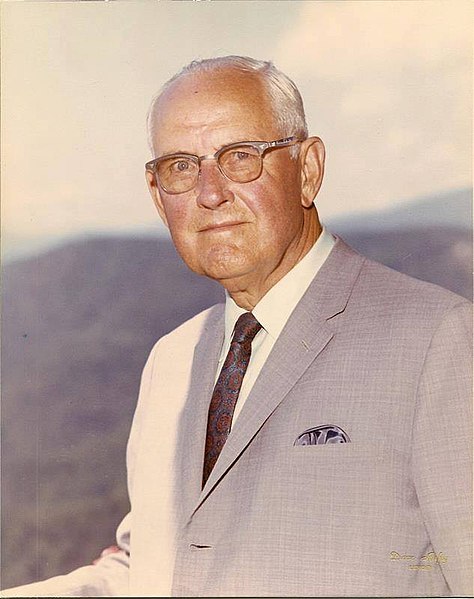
column 442, row 447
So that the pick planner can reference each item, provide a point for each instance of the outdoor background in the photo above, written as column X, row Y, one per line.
column 90, row 279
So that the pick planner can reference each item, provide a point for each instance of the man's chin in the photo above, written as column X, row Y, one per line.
column 220, row 262
column 225, row 273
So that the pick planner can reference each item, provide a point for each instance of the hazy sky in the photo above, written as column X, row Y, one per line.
column 387, row 85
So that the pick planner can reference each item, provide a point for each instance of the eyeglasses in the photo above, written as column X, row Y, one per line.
column 240, row 162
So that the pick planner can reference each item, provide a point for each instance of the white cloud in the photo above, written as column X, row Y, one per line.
column 356, row 37
column 388, row 84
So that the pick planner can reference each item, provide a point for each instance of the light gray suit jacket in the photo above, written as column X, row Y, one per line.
column 385, row 357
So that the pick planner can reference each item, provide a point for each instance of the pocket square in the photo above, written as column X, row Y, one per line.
column 322, row 435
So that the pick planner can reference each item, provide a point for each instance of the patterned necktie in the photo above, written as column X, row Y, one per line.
column 226, row 391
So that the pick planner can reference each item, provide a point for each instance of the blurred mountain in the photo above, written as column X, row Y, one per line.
column 78, row 323
column 449, row 209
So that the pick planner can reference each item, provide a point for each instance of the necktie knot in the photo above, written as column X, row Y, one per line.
column 246, row 327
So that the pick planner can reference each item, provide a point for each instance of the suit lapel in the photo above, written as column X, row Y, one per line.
column 305, row 335
column 193, row 424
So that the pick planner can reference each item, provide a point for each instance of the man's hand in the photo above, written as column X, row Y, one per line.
column 106, row 551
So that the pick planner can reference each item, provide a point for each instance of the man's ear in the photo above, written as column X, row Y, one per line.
column 312, row 154
column 155, row 195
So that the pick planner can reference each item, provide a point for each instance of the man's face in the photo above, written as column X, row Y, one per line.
column 237, row 233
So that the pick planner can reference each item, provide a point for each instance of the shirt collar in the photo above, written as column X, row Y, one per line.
column 275, row 307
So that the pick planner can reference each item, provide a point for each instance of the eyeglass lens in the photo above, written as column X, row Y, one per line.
column 178, row 174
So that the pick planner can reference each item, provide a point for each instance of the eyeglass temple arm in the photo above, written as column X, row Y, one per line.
column 283, row 142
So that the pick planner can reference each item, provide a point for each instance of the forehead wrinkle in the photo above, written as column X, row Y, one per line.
column 203, row 135
column 197, row 107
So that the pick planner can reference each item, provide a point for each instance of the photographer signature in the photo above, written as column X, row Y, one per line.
column 427, row 560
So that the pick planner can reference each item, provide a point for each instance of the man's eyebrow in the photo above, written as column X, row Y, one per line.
column 246, row 140
column 211, row 153
column 175, row 153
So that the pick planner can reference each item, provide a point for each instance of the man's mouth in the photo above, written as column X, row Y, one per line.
column 221, row 226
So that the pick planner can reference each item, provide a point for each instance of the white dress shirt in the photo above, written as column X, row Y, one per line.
column 273, row 311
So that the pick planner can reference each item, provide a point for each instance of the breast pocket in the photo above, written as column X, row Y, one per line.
column 343, row 470
column 338, row 452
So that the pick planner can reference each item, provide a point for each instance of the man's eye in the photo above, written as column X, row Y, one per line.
column 180, row 166
column 241, row 155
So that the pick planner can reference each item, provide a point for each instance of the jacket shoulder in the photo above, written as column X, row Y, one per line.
column 393, row 299
column 392, row 284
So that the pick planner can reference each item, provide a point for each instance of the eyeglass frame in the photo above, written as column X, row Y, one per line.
column 261, row 146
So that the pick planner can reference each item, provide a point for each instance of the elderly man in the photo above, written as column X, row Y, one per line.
column 312, row 436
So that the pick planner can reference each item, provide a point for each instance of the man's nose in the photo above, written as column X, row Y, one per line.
column 212, row 187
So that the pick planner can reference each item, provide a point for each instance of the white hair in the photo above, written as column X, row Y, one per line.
column 283, row 93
